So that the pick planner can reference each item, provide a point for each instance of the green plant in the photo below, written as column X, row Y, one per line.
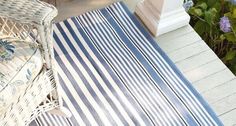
column 215, row 22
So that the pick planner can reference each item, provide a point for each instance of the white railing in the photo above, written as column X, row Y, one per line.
column 162, row 16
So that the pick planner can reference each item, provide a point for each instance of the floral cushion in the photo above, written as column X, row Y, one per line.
column 20, row 62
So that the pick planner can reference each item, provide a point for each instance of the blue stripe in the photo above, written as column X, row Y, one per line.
column 143, row 60
column 113, row 75
column 146, row 43
column 149, row 69
column 170, row 62
column 55, row 117
column 115, row 34
column 91, row 75
column 72, row 121
column 73, row 101
column 47, row 119
column 33, row 123
column 68, row 93
column 38, row 122
column 90, row 72
column 107, row 47
column 162, row 68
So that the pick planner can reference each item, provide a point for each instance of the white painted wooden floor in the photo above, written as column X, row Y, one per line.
column 191, row 55
column 204, row 69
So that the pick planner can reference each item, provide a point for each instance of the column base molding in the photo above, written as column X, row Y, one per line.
column 159, row 23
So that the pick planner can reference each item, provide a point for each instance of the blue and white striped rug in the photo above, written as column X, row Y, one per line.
column 112, row 72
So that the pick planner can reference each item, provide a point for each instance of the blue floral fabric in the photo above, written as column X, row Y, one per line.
column 6, row 50
column 20, row 62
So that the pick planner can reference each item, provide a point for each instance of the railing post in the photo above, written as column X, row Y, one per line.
column 162, row 16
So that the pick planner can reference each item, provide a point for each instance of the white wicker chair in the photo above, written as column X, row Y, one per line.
column 29, row 21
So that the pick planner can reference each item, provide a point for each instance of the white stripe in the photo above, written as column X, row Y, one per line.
column 111, row 55
column 62, row 120
column 84, row 89
column 65, row 119
column 123, row 65
column 153, row 91
column 59, row 122
column 46, row 119
column 42, row 120
column 158, row 74
column 89, row 79
column 69, row 104
column 135, row 88
column 38, row 122
column 79, row 101
column 53, row 118
column 163, row 61
column 110, row 79
column 70, row 122
column 109, row 93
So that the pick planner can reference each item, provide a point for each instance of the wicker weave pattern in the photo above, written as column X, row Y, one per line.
column 24, row 19
column 26, row 108
column 27, row 11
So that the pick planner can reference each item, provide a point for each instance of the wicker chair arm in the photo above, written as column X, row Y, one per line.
column 27, row 11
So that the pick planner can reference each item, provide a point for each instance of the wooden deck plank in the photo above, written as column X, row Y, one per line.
column 205, row 70
column 188, row 51
column 209, row 74
column 212, row 81
column 196, row 61
column 229, row 119
column 225, row 105
column 175, row 34
column 202, row 67
column 220, row 92
column 179, row 42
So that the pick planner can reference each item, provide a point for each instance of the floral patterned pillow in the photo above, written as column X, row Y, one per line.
column 7, row 50
column 20, row 63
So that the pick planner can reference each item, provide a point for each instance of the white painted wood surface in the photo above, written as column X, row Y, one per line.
column 162, row 16
column 204, row 69
column 191, row 55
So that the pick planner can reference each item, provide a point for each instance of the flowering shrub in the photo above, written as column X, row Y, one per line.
column 215, row 22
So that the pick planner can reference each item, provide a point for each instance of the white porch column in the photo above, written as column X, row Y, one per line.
column 162, row 16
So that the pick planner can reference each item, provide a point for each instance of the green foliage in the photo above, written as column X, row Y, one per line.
column 206, row 15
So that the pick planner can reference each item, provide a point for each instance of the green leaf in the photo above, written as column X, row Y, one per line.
column 230, row 37
column 222, row 37
column 217, row 6
column 214, row 11
column 195, row 11
column 210, row 16
column 230, row 55
column 192, row 12
column 234, row 13
column 211, row 3
column 227, row 14
column 200, row 27
column 202, row 5
column 198, row 12
column 233, row 25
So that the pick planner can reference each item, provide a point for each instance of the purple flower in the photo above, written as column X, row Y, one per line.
column 225, row 24
column 233, row 2
column 188, row 4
